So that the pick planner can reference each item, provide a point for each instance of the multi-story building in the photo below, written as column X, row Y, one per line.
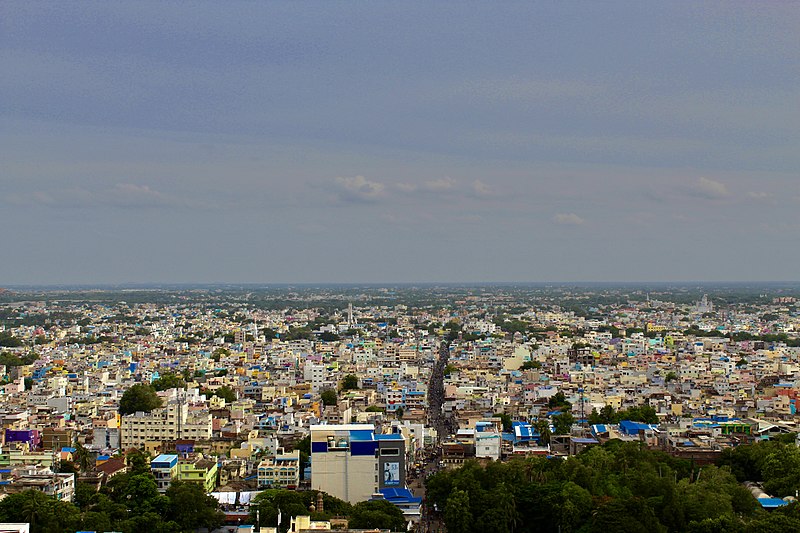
column 164, row 469
column 59, row 486
column 200, row 470
column 281, row 471
column 352, row 462
column 175, row 421
column 487, row 440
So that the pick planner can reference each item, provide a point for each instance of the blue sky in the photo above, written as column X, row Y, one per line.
column 377, row 141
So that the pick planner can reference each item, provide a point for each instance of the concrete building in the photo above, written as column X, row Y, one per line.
column 59, row 486
column 352, row 462
column 175, row 421
column 281, row 471
column 487, row 440
column 201, row 471
column 164, row 469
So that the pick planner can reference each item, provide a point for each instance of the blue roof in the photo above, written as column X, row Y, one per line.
column 165, row 458
column 392, row 436
column 771, row 503
column 629, row 427
column 361, row 434
column 400, row 495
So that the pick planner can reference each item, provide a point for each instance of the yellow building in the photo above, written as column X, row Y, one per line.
column 200, row 471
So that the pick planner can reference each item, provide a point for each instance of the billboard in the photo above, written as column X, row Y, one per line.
column 391, row 474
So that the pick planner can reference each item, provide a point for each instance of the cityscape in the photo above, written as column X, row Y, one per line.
column 384, row 267
column 331, row 407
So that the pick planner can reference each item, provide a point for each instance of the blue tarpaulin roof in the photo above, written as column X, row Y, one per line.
column 771, row 503
column 361, row 434
column 399, row 495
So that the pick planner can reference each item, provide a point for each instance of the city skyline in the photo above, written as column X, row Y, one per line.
column 313, row 143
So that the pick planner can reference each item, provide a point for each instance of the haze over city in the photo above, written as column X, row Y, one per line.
column 368, row 142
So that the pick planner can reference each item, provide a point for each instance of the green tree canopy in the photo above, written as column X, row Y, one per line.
column 562, row 423
column 350, row 382
column 377, row 514
column 191, row 508
column 9, row 341
column 224, row 392
column 43, row 513
column 328, row 397
column 139, row 397
column 167, row 381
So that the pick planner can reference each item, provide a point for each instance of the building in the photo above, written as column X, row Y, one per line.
column 487, row 440
column 201, row 471
column 352, row 462
column 15, row 528
column 173, row 422
column 164, row 469
column 281, row 471
column 58, row 486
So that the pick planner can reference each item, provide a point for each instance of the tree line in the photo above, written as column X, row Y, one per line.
column 620, row 487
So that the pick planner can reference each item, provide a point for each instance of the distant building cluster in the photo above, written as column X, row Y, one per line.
column 349, row 400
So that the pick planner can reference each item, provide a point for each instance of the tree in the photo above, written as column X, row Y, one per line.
column 671, row 376
column 43, row 513
column 168, row 381
column 328, row 397
column 559, row 402
column 267, row 503
column 506, row 420
column 377, row 514
column 138, row 462
column 562, row 423
column 542, row 427
column 531, row 365
column 191, row 508
column 224, row 392
column 350, row 382
column 9, row 341
column 304, row 447
column 219, row 353
column 139, row 397
column 457, row 513
column 81, row 457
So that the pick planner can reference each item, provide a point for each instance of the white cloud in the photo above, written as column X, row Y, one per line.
column 120, row 195
column 480, row 188
column 359, row 188
column 711, row 189
column 406, row 187
column 442, row 184
column 568, row 219
column 759, row 195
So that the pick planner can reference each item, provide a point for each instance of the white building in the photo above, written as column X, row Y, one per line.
column 175, row 421
column 352, row 462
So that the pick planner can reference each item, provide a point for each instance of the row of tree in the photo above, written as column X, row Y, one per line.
column 129, row 503
column 378, row 514
column 143, row 397
column 621, row 487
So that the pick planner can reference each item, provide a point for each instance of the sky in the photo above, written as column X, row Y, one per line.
column 287, row 142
